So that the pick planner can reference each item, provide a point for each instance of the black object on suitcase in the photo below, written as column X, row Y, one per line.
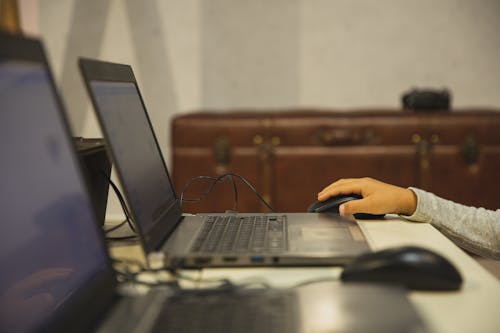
column 427, row 100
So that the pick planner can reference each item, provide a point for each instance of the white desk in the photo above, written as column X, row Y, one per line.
column 475, row 308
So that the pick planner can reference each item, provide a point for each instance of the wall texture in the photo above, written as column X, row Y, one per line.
column 197, row 54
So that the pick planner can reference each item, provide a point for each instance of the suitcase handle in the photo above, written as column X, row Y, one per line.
column 339, row 136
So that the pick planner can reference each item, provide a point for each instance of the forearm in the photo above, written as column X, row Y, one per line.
column 475, row 229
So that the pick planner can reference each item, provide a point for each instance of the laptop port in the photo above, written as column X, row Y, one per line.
column 257, row 259
column 202, row 260
column 230, row 259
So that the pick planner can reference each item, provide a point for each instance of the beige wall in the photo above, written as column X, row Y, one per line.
column 196, row 54
column 364, row 53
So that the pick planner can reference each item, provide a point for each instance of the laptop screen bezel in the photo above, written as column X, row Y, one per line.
column 87, row 305
column 101, row 71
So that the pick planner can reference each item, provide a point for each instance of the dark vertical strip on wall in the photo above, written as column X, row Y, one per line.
column 86, row 32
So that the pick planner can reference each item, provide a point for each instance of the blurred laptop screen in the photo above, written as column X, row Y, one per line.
column 51, row 247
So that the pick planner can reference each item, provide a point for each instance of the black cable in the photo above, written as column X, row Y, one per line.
column 134, row 238
column 254, row 190
column 135, row 262
column 128, row 215
column 204, row 194
column 235, row 190
column 131, row 276
column 209, row 189
column 179, row 276
column 126, row 212
column 119, row 225
column 215, row 180
column 313, row 281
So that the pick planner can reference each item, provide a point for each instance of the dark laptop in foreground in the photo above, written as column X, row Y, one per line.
column 204, row 239
column 56, row 275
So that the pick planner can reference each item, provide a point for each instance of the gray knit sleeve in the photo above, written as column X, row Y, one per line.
column 475, row 229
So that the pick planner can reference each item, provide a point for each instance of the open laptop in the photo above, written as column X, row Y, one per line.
column 56, row 275
column 204, row 239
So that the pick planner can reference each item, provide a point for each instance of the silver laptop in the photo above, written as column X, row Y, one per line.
column 56, row 274
column 204, row 239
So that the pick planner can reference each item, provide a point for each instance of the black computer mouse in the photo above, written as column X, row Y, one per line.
column 414, row 267
column 332, row 204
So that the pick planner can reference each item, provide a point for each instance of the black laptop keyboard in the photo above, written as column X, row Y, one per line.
column 258, row 311
column 222, row 234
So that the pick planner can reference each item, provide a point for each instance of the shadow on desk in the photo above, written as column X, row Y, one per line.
column 491, row 265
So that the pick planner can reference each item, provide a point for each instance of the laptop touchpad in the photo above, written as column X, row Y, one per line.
column 324, row 233
column 315, row 238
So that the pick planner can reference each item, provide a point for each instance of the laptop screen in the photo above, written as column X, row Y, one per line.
column 137, row 157
column 51, row 248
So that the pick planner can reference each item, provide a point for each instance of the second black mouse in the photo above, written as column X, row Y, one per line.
column 415, row 267
column 332, row 204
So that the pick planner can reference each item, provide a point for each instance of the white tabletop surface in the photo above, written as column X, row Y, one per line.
column 473, row 309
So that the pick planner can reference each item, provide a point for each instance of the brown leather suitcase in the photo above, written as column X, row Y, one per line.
column 291, row 155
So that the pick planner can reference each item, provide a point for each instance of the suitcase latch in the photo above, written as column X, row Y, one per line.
column 222, row 154
column 471, row 150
